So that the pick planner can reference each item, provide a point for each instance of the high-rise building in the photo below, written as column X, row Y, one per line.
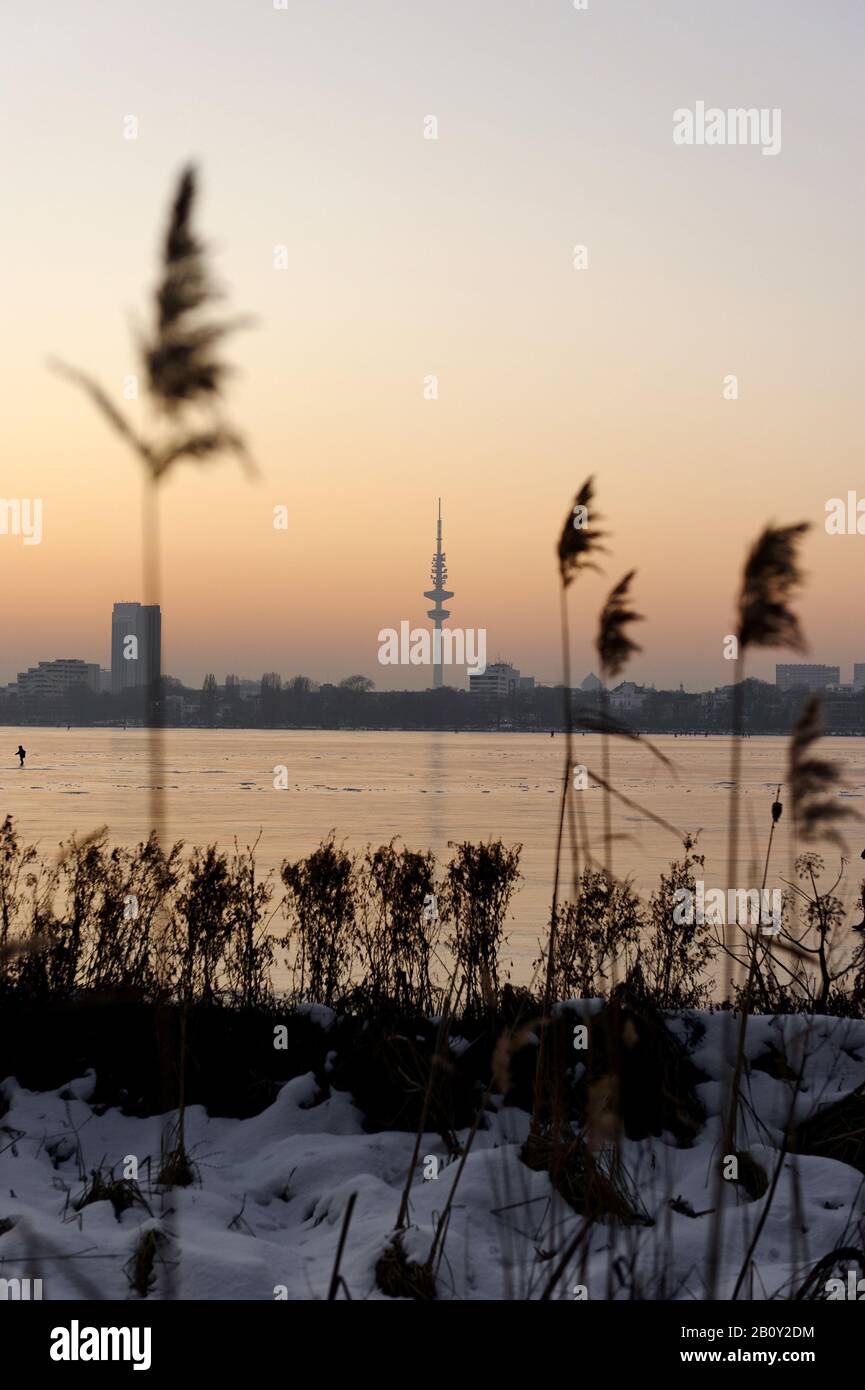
column 438, row 593
column 859, row 675
column 136, row 646
column 801, row 676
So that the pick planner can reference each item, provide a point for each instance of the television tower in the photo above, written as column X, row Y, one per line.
column 439, row 577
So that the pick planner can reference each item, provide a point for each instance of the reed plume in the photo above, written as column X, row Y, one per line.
column 181, row 365
column 770, row 577
column 180, row 357
column 764, row 619
column 814, row 783
column 580, row 540
column 184, row 378
column 614, row 647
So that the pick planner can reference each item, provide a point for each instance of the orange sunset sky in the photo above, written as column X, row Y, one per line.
column 409, row 257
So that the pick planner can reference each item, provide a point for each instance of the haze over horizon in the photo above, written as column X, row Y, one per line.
column 453, row 257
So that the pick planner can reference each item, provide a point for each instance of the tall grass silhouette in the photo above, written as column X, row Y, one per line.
column 614, row 648
column 765, row 618
column 579, row 545
column 770, row 578
column 185, row 379
column 184, row 384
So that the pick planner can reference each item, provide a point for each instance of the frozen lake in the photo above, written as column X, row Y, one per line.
column 427, row 788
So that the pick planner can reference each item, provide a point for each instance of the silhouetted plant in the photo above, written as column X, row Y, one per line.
column 320, row 900
column 580, row 540
column 42, row 968
column 614, row 647
column 595, row 936
column 480, row 882
column 578, row 545
column 202, row 924
column 184, row 379
column 764, row 619
column 130, row 890
column 398, row 927
column 677, row 953
column 823, row 913
column 15, row 861
column 80, row 882
column 89, row 921
column 815, row 783
column 857, row 990
column 249, row 948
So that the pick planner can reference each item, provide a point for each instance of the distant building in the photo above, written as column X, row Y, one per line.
column 136, row 646
column 626, row 697
column 859, row 675
column 249, row 689
column 54, row 679
column 591, row 683
column 498, row 681
column 175, row 709
column 801, row 676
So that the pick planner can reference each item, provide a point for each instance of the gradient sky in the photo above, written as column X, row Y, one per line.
column 454, row 257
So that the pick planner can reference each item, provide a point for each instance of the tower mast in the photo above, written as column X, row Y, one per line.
column 438, row 593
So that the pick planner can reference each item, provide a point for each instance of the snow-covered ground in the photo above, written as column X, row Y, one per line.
column 264, row 1217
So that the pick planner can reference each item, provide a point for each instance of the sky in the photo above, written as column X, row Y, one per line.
column 408, row 258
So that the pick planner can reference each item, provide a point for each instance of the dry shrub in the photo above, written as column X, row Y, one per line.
column 595, row 936
column 677, row 954
column 321, row 894
column 579, row 1179
column 398, row 929
column 140, row 1270
column 753, row 1177
column 399, row 1277
column 836, row 1131
column 122, row 1193
column 480, row 883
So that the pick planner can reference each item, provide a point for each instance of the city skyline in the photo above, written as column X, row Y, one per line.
column 144, row 623
column 428, row 340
